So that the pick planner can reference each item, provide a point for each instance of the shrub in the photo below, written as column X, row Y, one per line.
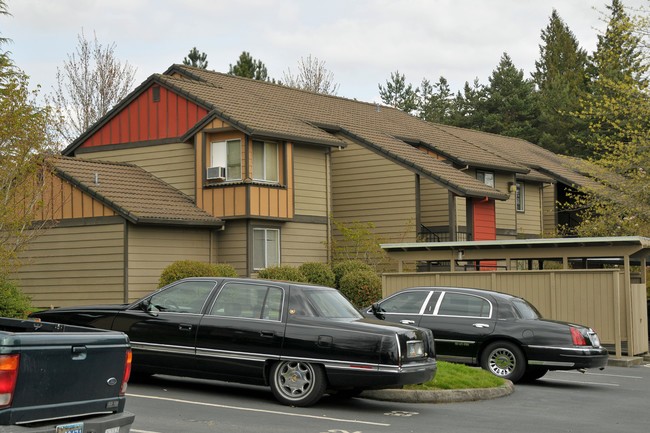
column 318, row 273
column 346, row 266
column 362, row 288
column 282, row 273
column 13, row 302
column 192, row 268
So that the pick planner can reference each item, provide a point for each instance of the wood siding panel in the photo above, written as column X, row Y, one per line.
column 302, row 243
column 310, row 170
column 148, row 120
column 368, row 187
column 529, row 222
column 68, row 266
column 232, row 246
column 434, row 204
column 172, row 163
column 151, row 249
column 505, row 213
column 549, row 205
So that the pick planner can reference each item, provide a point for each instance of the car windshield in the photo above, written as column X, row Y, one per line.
column 526, row 310
column 330, row 304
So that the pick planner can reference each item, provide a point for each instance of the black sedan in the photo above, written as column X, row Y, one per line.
column 301, row 340
column 503, row 334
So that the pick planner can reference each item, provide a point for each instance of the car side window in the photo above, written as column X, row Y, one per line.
column 405, row 303
column 252, row 301
column 185, row 297
column 460, row 304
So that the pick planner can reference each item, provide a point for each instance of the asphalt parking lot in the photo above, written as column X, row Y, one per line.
column 615, row 399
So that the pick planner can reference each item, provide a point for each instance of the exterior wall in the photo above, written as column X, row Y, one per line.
column 144, row 119
column 232, row 246
column 302, row 243
column 434, row 204
column 549, row 205
column 311, row 181
column 75, row 265
column 367, row 187
column 151, row 249
column 529, row 222
column 173, row 163
column 64, row 201
column 506, row 219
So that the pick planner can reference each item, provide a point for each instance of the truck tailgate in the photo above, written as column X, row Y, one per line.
column 63, row 374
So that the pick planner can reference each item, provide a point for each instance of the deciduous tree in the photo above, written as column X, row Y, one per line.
column 312, row 75
column 90, row 83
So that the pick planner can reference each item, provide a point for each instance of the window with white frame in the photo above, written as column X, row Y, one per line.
column 266, row 248
column 227, row 154
column 519, row 197
column 265, row 161
column 487, row 177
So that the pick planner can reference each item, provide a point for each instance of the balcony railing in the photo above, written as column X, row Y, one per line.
column 428, row 235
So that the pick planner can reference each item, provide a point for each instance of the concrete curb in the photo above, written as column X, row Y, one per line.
column 439, row 396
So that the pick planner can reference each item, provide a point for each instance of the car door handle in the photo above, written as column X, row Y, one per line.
column 407, row 322
column 184, row 327
column 267, row 333
column 481, row 325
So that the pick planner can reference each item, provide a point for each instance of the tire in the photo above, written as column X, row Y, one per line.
column 504, row 359
column 297, row 383
column 533, row 373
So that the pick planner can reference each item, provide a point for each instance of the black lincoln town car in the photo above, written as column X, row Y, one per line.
column 301, row 340
column 503, row 334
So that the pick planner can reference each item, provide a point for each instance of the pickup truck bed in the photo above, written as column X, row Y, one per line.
column 60, row 378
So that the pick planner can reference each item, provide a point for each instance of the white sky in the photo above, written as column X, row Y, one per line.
column 361, row 41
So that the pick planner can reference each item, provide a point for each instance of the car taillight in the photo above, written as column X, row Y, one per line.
column 127, row 371
column 8, row 376
column 578, row 338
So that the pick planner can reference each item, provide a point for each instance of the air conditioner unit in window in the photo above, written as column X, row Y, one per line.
column 216, row 173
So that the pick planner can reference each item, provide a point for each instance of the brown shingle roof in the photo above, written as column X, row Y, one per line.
column 133, row 192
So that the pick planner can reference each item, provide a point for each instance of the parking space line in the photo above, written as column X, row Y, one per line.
column 142, row 431
column 248, row 409
column 601, row 374
column 580, row 381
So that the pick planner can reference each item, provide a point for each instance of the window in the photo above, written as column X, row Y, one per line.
column 519, row 197
column 265, row 161
column 405, row 303
column 487, row 177
column 186, row 297
column 251, row 301
column 266, row 248
column 458, row 304
column 227, row 154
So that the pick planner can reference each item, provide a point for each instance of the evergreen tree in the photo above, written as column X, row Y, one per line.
column 436, row 101
column 468, row 106
column 398, row 94
column 510, row 106
column 196, row 59
column 561, row 82
column 248, row 67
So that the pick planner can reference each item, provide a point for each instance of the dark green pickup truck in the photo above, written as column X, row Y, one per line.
column 62, row 379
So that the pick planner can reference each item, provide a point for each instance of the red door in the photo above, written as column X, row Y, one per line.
column 484, row 227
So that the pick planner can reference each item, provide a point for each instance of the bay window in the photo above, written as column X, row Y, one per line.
column 227, row 154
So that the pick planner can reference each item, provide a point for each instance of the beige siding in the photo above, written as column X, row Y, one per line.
column 434, row 204
column 529, row 222
column 151, row 249
column 504, row 210
column 310, row 181
column 368, row 187
column 232, row 244
column 302, row 243
column 549, row 214
column 173, row 163
column 68, row 266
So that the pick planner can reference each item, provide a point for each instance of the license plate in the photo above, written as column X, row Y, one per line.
column 112, row 430
column 70, row 428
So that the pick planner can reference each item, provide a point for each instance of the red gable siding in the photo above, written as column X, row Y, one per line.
column 143, row 119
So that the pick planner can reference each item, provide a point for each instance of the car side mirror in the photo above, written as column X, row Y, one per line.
column 376, row 310
column 148, row 307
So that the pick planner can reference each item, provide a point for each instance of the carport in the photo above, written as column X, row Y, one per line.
column 598, row 282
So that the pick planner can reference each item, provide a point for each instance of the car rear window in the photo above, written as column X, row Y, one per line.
column 525, row 310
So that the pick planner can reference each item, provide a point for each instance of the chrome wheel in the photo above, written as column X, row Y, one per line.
column 504, row 359
column 297, row 383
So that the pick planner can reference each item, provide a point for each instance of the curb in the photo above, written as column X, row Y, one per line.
column 439, row 396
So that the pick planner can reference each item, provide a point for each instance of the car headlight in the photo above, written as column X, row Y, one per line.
column 414, row 349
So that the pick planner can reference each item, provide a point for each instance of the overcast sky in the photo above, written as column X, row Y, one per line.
column 362, row 41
